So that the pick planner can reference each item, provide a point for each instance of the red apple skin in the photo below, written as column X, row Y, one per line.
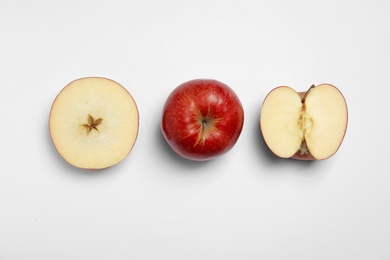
column 202, row 119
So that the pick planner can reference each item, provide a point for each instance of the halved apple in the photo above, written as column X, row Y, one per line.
column 94, row 123
column 308, row 125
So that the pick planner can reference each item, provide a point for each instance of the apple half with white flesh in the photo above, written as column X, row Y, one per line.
column 94, row 123
column 304, row 125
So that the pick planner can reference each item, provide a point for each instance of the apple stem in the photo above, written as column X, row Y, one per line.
column 307, row 92
column 203, row 125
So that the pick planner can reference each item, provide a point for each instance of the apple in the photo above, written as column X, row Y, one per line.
column 307, row 125
column 202, row 119
column 93, row 123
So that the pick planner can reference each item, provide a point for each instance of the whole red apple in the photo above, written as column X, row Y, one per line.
column 202, row 119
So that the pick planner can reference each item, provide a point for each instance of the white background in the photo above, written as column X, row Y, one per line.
column 246, row 204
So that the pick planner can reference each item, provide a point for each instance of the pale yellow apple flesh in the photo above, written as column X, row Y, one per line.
column 310, row 125
column 94, row 123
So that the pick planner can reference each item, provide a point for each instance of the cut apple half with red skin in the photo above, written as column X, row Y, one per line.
column 202, row 119
column 307, row 125
column 94, row 123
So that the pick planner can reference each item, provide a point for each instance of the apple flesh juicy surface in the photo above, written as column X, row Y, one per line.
column 306, row 126
column 94, row 123
column 202, row 119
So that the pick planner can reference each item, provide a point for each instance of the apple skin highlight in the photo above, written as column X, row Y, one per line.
column 202, row 119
